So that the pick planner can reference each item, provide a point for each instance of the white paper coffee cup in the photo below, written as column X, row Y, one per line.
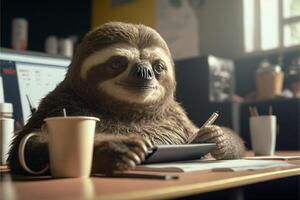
column 71, row 142
column 263, row 134
column 66, row 47
column 6, row 135
column 19, row 34
column 51, row 45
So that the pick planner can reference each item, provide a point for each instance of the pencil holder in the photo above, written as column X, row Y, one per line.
column 263, row 134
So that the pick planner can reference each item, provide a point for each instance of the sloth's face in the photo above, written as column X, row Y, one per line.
column 126, row 73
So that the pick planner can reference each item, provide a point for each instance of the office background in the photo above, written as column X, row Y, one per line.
column 195, row 30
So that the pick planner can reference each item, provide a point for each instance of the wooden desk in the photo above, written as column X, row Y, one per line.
column 31, row 188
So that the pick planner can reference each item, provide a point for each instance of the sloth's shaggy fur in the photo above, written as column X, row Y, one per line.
column 161, row 120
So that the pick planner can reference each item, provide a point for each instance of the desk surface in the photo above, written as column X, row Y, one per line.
column 14, row 187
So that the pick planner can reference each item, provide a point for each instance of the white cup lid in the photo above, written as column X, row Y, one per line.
column 6, row 108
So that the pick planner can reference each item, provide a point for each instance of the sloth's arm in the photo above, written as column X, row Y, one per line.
column 118, row 152
column 229, row 144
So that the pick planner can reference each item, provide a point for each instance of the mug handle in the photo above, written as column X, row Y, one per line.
column 22, row 157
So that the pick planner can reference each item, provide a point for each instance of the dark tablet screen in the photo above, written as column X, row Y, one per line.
column 171, row 153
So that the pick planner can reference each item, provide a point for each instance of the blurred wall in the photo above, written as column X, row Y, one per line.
column 190, row 27
column 175, row 20
column 221, row 28
column 134, row 11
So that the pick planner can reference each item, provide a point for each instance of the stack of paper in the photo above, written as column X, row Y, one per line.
column 215, row 165
column 273, row 158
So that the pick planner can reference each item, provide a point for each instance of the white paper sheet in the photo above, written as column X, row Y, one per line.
column 215, row 165
column 273, row 158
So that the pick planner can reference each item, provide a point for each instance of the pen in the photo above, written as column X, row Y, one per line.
column 143, row 176
column 210, row 121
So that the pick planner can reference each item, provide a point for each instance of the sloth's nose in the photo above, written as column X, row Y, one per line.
column 142, row 71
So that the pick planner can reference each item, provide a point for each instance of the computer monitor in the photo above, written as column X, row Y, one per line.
column 28, row 74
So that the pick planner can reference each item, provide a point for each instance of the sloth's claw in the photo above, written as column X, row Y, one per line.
column 119, row 154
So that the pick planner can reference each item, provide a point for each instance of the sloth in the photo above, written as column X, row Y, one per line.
column 123, row 74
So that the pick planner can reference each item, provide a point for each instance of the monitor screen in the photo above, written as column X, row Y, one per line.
column 28, row 75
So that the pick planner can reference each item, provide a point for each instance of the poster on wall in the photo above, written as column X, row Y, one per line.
column 177, row 23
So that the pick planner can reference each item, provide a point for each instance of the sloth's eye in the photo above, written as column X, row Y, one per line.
column 158, row 67
column 118, row 62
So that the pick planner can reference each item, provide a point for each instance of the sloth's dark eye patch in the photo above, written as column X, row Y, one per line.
column 158, row 67
column 117, row 63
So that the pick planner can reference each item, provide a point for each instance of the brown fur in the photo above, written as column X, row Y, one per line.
column 163, row 122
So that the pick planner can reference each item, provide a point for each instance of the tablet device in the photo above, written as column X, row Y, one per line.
column 172, row 153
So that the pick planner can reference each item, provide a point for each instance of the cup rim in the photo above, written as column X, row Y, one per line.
column 72, row 118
